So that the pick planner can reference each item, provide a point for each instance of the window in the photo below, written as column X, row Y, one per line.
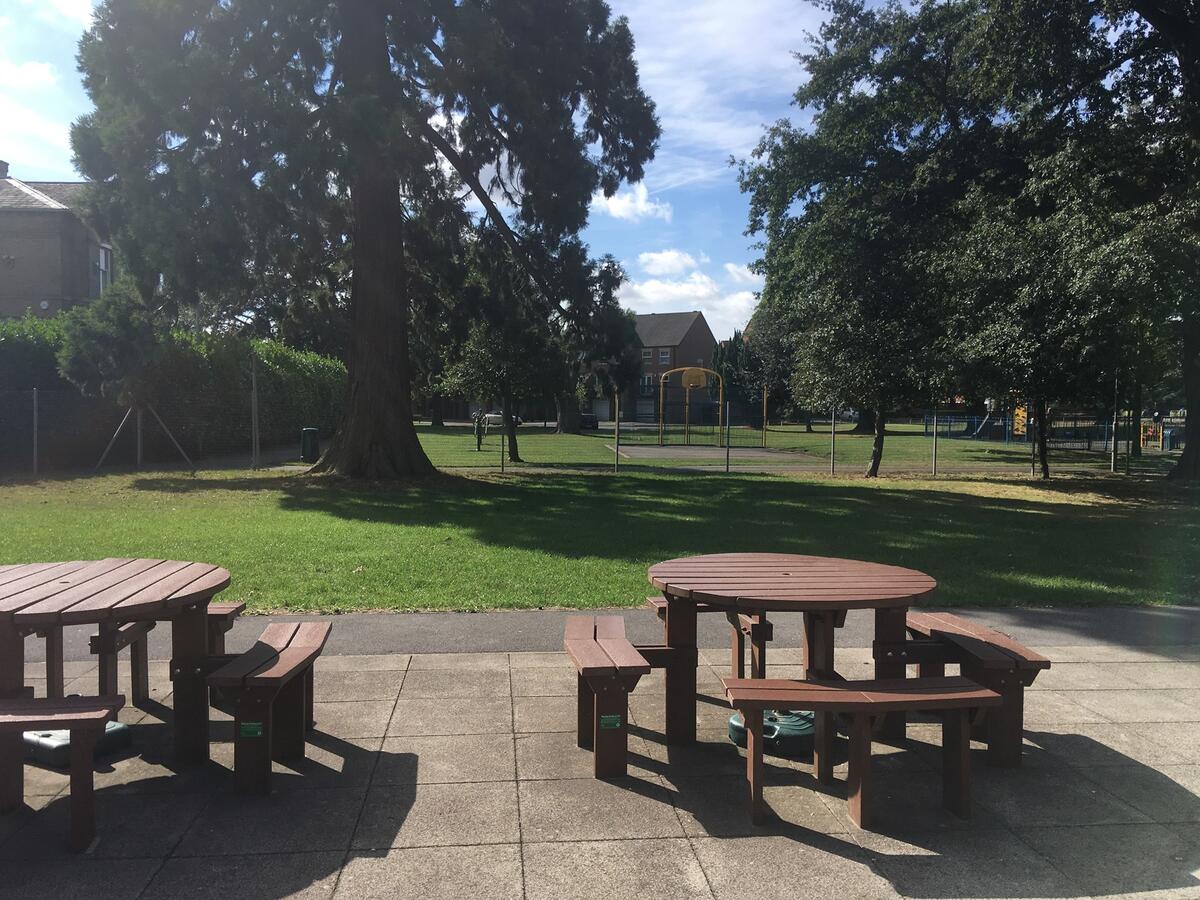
column 664, row 356
column 104, row 264
column 647, row 385
column 647, row 353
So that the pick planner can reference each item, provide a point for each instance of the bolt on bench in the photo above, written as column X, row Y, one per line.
column 85, row 718
column 954, row 698
column 269, row 691
column 987, row 657
column 608, row 668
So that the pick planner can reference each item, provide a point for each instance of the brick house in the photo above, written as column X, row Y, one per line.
column 50, row 260
column 670, row 341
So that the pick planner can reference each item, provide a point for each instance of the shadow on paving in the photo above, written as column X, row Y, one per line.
column 185, row 831
column 1114, row 827
column 986, row 551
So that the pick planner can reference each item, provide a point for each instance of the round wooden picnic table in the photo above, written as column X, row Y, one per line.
column 42, row 598
column 822, row 588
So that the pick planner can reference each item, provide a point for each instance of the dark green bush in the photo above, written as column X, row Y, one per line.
column 200, row 386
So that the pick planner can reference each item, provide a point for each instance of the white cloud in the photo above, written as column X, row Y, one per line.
column 73, row 14
column 666, row 262
column 27, row 75
column 742, row 274
column 29, row 137
column 725, row 313
column 633, row 205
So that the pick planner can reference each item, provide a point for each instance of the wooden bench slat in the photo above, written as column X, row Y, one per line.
column 229, row 610
column 275, row 638
column 625, row 656
column 580, row 628
column 24, row 714
column 946, row 624
column 311, row 635
column 610, row 628
column 589, row 657
column 286, row 663
column 858, row 696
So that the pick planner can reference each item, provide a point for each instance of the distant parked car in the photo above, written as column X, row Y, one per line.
column 589, row 420
column 497, row 419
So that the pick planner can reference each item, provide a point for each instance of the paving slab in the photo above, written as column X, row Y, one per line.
column 446, row 759
column 1120, row 859
column 430, row 815
column 334, row 685
column 781, row 868
column 444, row 684
column 283, row 822
column 616, row 870
column 718, row 806
column 82, row 878
column 587, row 809
column 300, row 876
column 431, row 717
column 488, row 872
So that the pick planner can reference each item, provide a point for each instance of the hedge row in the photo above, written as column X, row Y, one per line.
column 202, row 386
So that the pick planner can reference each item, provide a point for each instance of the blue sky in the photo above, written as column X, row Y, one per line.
column 718, row 70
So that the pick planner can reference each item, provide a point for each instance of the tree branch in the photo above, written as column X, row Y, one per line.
column 453, row 157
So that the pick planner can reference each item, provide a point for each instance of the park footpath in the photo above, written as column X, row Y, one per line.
column 445, row 765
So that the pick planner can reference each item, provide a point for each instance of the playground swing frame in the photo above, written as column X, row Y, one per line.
column 687, row 403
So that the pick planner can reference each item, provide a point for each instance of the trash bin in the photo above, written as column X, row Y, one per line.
column 310, row 445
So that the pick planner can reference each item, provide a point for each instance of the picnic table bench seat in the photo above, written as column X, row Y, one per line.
column 85, row 718
column 269, row 690
column 954, row 698
column 743, row 626
column 990, row 658
column 608, row 668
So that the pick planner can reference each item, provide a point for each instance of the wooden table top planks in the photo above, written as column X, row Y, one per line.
column 41, row 595
column 782, row 582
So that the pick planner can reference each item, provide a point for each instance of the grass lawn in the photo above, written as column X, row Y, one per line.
column 585, row 538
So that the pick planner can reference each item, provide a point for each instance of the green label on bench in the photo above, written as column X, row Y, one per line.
column 251, row 729
column 611, row 721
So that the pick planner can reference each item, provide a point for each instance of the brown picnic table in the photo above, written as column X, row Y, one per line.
column 822, row 588
column 42, row 598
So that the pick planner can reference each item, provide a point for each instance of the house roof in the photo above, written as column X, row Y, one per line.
column 17, row 194
column 665, row 329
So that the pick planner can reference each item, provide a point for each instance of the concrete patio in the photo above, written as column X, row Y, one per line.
column 457, row 775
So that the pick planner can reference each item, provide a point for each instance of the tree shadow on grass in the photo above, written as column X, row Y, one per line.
column 984, row 550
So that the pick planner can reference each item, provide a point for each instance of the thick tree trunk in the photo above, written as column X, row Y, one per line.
column 879, row 417
column 566, row 411
column 435, row 411
column 1041, row 431
column 510, row 427
column 376, row 437
column 865, row 423
column 1188, row 467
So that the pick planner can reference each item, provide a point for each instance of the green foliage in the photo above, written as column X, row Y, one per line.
column 112, row 346
column 28, row 353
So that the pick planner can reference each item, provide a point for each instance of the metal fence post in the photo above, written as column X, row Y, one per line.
column 935, row 440
column 503, row 438
column 255, row 447
column 727, row 436
column 833, row 441
column 35, row 432
column 617, row 432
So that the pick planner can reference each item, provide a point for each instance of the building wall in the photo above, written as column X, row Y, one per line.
column 46, row 256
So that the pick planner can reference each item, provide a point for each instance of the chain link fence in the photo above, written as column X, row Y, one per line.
column 60, row 432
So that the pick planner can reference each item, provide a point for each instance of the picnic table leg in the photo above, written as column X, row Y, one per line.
column 12, row 684
column 754, row 762
column 1005, row 727
column 889, row 629
column 610, row 732
column 585, row 712
column 681, row 672
column 189, row 650
column 107, row 673
column 54, row 662
column 818, row 665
